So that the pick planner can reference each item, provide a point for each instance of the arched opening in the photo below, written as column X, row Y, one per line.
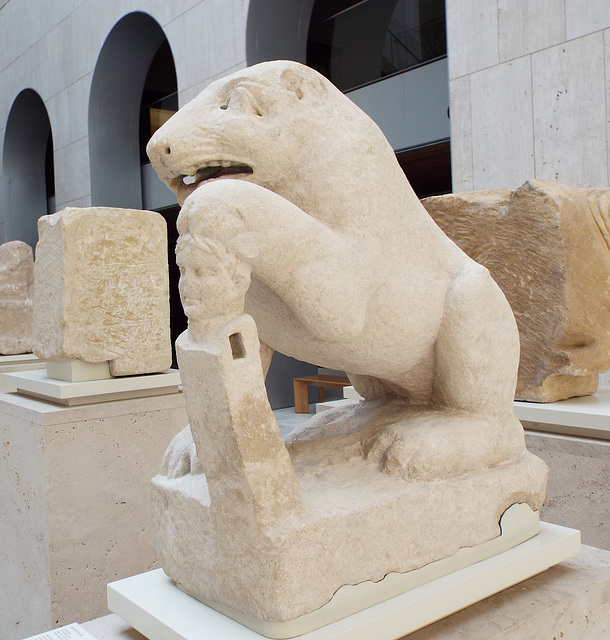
column 134, row 90
column 29, row 175
column 115, row 106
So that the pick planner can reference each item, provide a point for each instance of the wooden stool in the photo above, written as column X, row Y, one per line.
column 301, row 400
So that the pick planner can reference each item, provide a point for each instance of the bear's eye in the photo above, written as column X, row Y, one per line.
column 242, row 100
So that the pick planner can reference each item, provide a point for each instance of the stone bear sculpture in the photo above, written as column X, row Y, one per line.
column 345, row 267
column 298, row 227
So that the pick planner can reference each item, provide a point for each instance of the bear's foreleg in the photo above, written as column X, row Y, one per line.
column 289, row 251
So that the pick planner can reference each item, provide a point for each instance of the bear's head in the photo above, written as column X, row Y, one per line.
column 280, row 125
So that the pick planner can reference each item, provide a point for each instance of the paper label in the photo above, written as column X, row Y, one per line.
column 70, row 632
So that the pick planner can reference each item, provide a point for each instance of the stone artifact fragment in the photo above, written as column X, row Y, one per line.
column 547, row 245
column 101, row 289
column 16, row 291
column 299, row 227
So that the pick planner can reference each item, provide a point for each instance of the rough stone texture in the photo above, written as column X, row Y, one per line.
column 75, row 504
column 16, row 290
column 578, row 492
column 548, row 247
column 289, row 189
column 101, row 289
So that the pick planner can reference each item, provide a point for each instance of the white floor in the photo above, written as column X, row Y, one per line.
column 288, row 419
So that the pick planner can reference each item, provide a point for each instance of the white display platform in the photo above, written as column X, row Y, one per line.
column 19, row 362
column 587, row 416
column 38, row 385
column 152, row 604
column 20, row 358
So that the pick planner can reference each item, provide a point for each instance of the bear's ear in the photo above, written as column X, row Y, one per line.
column 302, row 83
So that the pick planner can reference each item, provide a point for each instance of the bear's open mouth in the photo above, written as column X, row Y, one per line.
column 213, row 170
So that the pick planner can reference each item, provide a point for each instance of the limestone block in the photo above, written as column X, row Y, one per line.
column 244, row 523
column 75, row 504
column 287, row 188
column 548, row 247
column 16, row 292
column 101, row 289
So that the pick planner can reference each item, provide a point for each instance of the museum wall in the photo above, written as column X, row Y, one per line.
column 530, row 94
column 206, row 38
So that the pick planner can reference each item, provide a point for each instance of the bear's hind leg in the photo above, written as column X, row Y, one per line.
column 471, row 424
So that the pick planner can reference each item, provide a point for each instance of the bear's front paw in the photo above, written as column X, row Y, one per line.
column 181, row 457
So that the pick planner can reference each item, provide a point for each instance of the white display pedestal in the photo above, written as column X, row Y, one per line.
column 20, row 362
column 570, row 600
column 588, row 416
column 37, row 384
column 153, row 605
column 75, row 503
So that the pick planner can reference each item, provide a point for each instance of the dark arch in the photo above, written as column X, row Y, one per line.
column 114, row 110
column 28, row 166
column 277, row 30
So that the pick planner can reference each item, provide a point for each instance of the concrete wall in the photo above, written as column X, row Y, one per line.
column 55, row 54
column 411, row 108
column 530, row 92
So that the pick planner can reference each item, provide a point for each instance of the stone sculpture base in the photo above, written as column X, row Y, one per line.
column 450, row 515
column 274, row 530
column 75, row 503
column 153, row 604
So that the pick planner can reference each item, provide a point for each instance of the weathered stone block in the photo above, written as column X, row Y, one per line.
column 101, row 289
column 548, row 247
column 16, row 289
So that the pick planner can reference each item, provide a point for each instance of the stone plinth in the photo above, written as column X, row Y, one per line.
column 75, row 503
column 16, row 290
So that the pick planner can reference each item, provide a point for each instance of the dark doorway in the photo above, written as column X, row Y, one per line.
column 29, row 176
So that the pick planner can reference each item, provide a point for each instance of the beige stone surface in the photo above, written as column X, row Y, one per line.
column 548, row 247
column 288, row 188
column 578, row 492
column 101, row 289
column 75, row 504
column 569, row 602
column 16, row 292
